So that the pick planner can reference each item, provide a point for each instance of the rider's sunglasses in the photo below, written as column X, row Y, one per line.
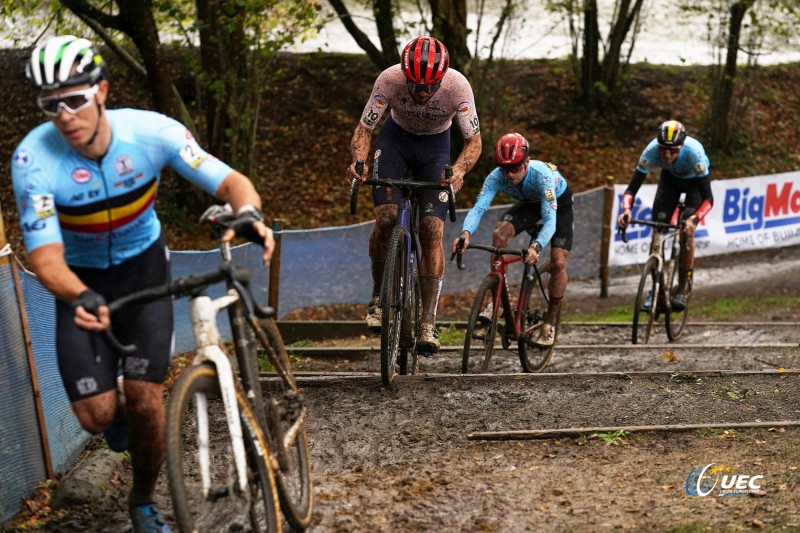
column 505, row 169
column 673, row 151
column 73, row 102
column 414, row 88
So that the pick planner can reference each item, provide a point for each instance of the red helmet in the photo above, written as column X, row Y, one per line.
column 425, row 61
column 511, row 149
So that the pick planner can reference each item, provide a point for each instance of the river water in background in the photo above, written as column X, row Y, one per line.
column 666, row 36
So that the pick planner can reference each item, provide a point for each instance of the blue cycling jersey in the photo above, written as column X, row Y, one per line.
column 692, row 162
column 104, row 212
column 543, row 182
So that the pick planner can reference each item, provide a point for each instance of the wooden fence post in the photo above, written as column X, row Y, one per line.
column 37, row 395
column 608, row 202
column 275, row 266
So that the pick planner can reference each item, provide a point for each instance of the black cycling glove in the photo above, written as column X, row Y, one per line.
column 89, row 300
column 243, row 224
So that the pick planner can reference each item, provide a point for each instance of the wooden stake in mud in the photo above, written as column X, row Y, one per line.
column 605, row 240
column 532, row 434
column 275, row 266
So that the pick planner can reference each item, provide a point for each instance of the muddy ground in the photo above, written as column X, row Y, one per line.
column 401, row 458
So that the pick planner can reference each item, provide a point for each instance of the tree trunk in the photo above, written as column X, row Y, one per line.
column 610, row 69
column 590, row 63
column 376, row 56
column 385, row 26
column 722, row 92
column 450, row 26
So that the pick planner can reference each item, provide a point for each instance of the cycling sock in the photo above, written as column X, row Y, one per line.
column 430, row 287
column 377, row 278
column 684, row 280
column 552, row 309
column 144, row 485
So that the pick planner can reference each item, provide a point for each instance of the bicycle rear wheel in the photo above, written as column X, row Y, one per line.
column 643, row 317
column 393, row 304
column 195, row 406
column 285, row 405
column 480, row 337
column 533, row 358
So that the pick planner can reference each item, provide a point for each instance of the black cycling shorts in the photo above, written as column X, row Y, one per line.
column 425, row 156
column 524, row 216
column 149, row 326
column 669, row 190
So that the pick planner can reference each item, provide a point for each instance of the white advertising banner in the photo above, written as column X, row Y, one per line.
column 748, row 214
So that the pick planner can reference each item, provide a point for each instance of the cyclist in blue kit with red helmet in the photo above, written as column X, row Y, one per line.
column 541, row 193
column 425, row 97
column 684, row 169
column 85, row 184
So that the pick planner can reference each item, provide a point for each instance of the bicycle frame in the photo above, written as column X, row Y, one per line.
column 203, row 311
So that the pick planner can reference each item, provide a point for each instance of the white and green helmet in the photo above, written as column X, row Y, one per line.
column 65, row 61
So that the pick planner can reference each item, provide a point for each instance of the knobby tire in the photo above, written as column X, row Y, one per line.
column 643, row 319
column 293, row 471
column 392, row 304
column 532, row 358
column 260, row 508
column 480, row 337
column 674, row 320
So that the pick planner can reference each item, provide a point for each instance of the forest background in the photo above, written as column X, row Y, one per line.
column 286, row 119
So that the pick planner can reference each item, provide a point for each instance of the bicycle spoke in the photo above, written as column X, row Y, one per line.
column 534, row 310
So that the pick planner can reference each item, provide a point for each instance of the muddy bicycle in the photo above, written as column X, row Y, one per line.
column 658, row 282
column 259, row 468
column 400, row 298
column 522, row 321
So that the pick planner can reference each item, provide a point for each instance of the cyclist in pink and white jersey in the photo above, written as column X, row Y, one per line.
column 424, row 96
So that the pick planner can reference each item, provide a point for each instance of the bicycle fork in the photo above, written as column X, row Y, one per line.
column 203, row 311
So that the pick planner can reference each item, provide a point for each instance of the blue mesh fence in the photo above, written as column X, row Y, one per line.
column 21, row 460
column 65, row 436
column 331, row 265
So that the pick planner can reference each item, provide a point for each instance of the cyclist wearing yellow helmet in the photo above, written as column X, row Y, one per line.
column 684, row 169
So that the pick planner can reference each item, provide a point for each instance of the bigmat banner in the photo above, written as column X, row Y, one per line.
column 748, row 214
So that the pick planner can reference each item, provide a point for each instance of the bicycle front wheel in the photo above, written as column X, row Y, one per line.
column 532, row 357
column 646, row 304
column 195, row 406
column 675, row 320
column 481, row 333
column 285, row 405
column 408, row 359
column 393, row 304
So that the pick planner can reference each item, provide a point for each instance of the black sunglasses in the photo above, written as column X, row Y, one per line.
column 432, row 88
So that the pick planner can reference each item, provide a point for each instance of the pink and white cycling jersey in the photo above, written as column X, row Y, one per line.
column 454, row 98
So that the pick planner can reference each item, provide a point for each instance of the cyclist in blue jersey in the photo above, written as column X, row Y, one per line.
column 684, row 169
column 541, row 194
column 85, row 184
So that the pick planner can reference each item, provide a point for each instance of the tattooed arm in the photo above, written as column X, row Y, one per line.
column 466, row 160
column 359, row 150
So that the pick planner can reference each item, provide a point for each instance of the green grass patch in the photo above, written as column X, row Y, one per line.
column 727, row 308
column 451, row 336
column 617, row 313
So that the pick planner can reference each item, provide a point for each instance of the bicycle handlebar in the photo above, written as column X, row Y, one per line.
column 404, row 184
column 623, row 232
column 459, row 253
column 239, row 278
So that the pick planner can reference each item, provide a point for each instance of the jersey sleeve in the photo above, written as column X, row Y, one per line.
column 186, row 156
column 377, row 103
column 549, row 206
column 34, row 191
column 466, row 111
column 482, row 203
